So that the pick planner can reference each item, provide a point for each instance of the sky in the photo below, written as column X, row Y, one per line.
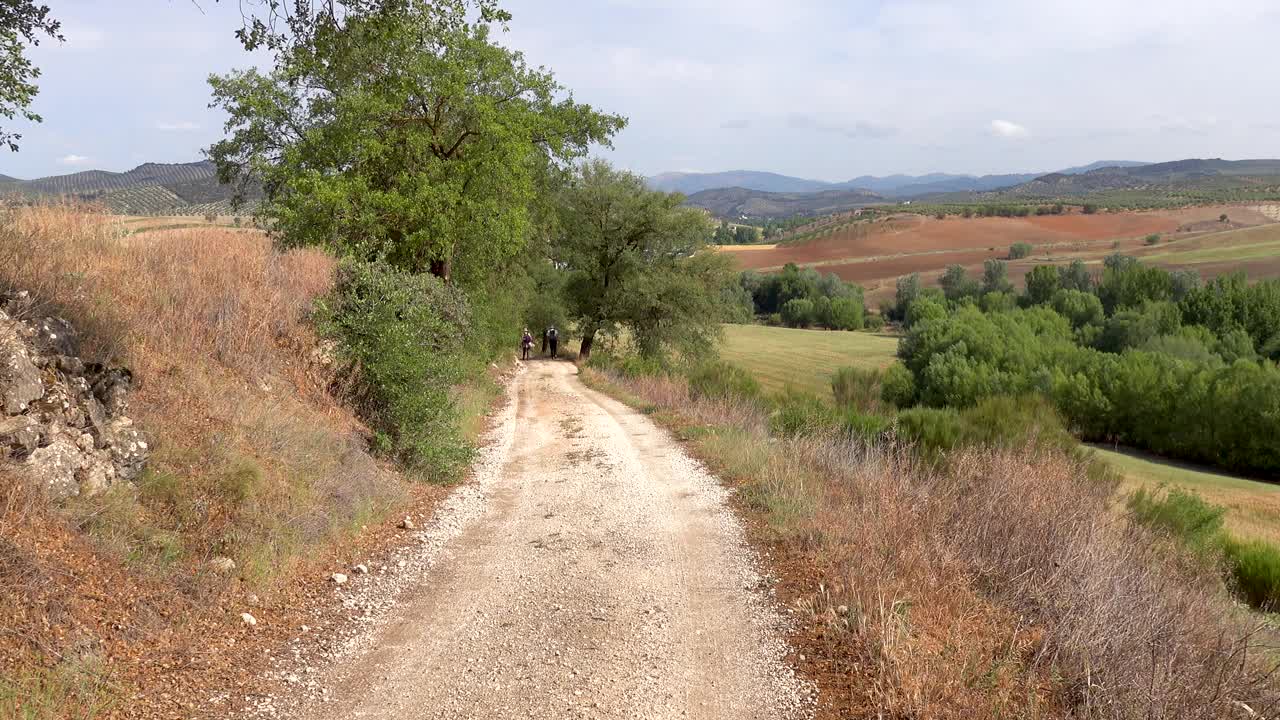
column 825, row 89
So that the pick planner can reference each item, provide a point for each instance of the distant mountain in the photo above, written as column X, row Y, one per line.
column 747, row 203
column 690, row 183
column 894, row 186
column 149, row 189
column 7, row 179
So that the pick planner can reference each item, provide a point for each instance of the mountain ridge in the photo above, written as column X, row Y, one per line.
column 897, row 185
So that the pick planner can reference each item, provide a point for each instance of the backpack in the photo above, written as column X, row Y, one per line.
column 551, row 334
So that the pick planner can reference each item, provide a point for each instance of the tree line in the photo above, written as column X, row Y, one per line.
column 1137, row 355
column 800, row 297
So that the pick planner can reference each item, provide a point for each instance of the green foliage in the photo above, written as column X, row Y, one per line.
column 1043, row 282
column 837, row 305
column 22, row 22
column 859, row 389
column 866, row 427
column 924, row 308
column 898, row 386
column 799, row 413
column 999, row 421
column 1081, row 308
column 1020, row 250
column 1183, row 514
column 720, row 379
column 995, row 277
column 635, row 259
column 1075, row 276
column 401, row 132
column 1255, row 567
column 875, row 322
column 1127, row 283
column 957, row 285
column 798, row 313
column 1152, row 239
column 403, row 337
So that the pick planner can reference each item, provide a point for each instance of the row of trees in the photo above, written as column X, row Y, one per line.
column 803, row 297
column 727, row 234
column 1139, row 355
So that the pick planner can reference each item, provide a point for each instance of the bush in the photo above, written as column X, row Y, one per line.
column 874, row 323
column 898, row 386
column 798, row 413
column 635, row 365
column 1182, row 514
column 1255, row 567
column 721, row 380
column 1152, row 239
column 1019, row 250
column 867, row 428
column 1089, row 208
column 402, row 335
column 798, row 313
column 858, row 389
column 932, row 429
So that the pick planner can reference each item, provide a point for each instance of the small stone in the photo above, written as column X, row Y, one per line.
column 338, row 578
column 248, row 619
column 842, row 610
column 407, row 523
column 222, row 564
column 361, row 569
column 306, row 628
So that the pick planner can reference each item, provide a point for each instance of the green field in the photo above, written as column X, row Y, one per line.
column 1253, row 507
column 803, row 359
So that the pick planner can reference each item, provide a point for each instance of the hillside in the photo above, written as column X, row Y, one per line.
column 1181, row 180
column 744, row 203
column 149, row 189
column 690, row 183
column 897, row 186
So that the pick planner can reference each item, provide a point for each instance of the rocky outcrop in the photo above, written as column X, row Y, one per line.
column 62, row 420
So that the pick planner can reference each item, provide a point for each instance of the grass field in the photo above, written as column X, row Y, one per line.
column 803, row 359
column 1253, row 508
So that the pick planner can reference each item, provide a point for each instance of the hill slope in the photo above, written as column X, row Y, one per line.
column 741, row 202
column 1178, row 178
column 690, row 183
column 149, row 189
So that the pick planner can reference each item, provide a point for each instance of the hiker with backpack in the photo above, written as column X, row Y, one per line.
column 526, row 344
column 553, row 339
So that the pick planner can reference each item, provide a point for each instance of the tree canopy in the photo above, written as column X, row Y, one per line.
column 634, row 260
column 22, row 23
column 399, row 130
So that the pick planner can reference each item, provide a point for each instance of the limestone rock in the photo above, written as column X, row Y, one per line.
column 20, row 383
column 54, row 468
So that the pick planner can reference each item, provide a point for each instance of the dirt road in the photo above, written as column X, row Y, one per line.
column 601, row 575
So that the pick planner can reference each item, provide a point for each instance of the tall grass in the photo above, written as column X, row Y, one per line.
column 999, row 583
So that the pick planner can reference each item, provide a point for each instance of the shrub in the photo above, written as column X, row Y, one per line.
column 865, row 427
column 1089, row 208
column 1019, row 250
column 1152, row 239
column 932, row 429
column 798, row 413
column 722, row 380
column 402, row 336
column 1184, row 515
column 798, row 313
column 1255, row 567
column 898, row 386
column 874, row 322
column 635, row 365
column 858, row 389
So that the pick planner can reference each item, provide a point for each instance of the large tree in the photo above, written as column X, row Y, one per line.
column 22, row 23
column 399, row 130
column 637, row 259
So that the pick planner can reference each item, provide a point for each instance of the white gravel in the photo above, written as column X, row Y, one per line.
column 591, row 569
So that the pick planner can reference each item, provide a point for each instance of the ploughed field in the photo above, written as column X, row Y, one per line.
column 876, row 253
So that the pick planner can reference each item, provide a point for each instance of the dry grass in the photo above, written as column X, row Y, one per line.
column 253, row 458
column 1003, row 586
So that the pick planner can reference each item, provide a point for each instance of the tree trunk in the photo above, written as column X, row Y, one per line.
column 588, row 339
column 440, row 268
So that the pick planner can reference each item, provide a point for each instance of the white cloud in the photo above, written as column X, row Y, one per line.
column 1005, row 128
column 183, row 126
column 73, row 160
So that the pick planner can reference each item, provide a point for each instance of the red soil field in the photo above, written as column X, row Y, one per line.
column 903, row 234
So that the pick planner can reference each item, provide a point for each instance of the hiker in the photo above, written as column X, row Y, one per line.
column 526, row 344
column 544, row 341
column 553, row 338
